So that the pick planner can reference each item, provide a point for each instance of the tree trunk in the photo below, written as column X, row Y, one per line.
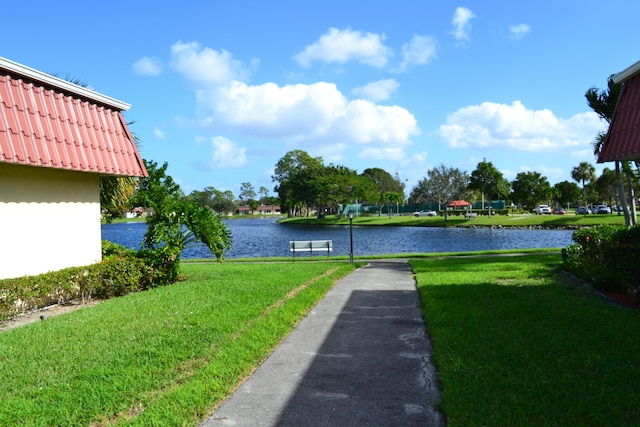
column 632, row 197
column 623, row 197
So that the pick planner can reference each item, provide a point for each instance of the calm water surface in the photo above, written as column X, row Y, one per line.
column 264, row 237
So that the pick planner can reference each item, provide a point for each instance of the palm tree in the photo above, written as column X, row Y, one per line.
column 582, row 173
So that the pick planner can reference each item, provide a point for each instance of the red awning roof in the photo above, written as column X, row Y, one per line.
column 459, row 204
column 622, row 141
column 43, row 123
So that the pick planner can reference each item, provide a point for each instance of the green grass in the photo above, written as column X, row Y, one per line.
column 516, row 345
column 526, row 220
column 162, row 357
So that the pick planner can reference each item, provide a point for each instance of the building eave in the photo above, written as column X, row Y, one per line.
column 627, row 73
column 63, row 85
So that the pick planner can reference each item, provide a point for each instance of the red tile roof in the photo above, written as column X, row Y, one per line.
column 622, row 141
column 45, row 121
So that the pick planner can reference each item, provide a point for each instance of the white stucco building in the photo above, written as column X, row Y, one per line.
column 56, row 140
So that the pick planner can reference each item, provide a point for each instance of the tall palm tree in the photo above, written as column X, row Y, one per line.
column 584, row 172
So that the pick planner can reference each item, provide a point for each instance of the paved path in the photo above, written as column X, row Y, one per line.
column 360, row 358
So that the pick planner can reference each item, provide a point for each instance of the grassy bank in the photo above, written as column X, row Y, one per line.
column 161, row 357
column 514, row 345
column 525, row 220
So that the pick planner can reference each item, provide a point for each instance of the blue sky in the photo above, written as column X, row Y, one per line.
column 222, row 90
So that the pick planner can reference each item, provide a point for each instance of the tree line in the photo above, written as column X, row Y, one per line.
column 304, row 184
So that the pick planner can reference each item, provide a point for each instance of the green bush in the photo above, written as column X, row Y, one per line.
column 122, row 271
column 163, row 264
column 606, row 256
column 110, row 249
column 622, row 261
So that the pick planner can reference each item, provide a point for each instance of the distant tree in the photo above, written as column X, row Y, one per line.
column 247, row 192
column 391, row 198
column 336, row 186
column 384, row 183
column 607, row 187
column 567, row 193
column 223, row 202
column 264, row 194
column 488, row 180
column 294, row 173
column 443, row 185
column 530, row 189
column 584, row 172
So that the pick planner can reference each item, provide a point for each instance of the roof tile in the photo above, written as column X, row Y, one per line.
column 40, row 126
column 622, row 141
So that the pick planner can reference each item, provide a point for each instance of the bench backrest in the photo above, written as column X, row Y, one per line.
column 308, row 245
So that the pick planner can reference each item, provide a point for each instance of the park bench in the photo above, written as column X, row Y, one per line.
column 310, row 246
column 471, row 215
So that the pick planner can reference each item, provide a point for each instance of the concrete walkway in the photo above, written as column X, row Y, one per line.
column 360, row 358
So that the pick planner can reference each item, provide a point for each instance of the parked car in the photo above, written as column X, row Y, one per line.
column 543, row 210
column 601, row 209
column 583, row 210
column 425, row 213
column 559, row 211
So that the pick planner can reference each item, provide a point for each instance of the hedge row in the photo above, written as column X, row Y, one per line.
column 608, row 257
column 122, row 271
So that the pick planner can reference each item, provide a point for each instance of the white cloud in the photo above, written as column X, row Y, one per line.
column 382, row 153
column 364, row 122
column 420, row 50
column 315, row 112
column 207, row 66
column 462, row 25
column 148, row 66
column 317, row 115
column 159, row 134
column 519, row 31
column 341, row 46
column 226, row 153
column 377, row 91
column 492, row 125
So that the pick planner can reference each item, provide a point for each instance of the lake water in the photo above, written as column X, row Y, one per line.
column 264, row 237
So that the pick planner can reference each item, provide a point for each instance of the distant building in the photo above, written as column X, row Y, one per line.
column 56, row 140
column 261, row 210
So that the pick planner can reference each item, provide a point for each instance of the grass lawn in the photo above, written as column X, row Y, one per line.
column 516, row 345
column 162, row 357
column 525, row 220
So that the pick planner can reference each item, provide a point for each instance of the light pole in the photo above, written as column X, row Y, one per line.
column 351, row 235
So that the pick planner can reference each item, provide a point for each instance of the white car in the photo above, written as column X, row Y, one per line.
column 543, row 210
column 601, row 209
column 425, row 213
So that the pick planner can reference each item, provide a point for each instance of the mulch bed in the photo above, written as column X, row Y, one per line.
column 621, row 299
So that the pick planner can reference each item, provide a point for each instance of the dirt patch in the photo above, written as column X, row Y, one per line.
column 44, row 313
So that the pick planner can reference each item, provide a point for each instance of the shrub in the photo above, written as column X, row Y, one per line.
column 121, row 272
column 110, row 249
column 608, row 257
column 163, row 264
column 622, row 260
